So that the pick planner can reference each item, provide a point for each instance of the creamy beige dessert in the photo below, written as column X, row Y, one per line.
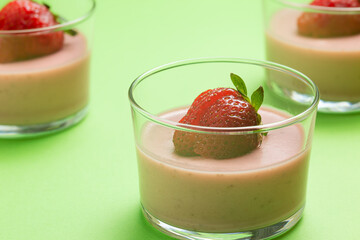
column 332, row 63
column 46, row 88
column 251, row 191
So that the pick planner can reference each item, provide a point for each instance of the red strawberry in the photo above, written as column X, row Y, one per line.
column 329, row 25
column 203, row 102
column 221, row 107
column 184, row 141
column 25, row 14
column 336, row 3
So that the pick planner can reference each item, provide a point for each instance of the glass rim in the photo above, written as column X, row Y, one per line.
column 318, row 9
column 61, row 26
column 225, row 130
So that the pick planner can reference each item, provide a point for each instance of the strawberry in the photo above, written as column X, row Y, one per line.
column 221, row 107
column 330, row 25
column 336, row 3
column 26, row 14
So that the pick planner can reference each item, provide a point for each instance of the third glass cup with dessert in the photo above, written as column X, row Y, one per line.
column 44, row 65
column 320, row 38
column 219, row 155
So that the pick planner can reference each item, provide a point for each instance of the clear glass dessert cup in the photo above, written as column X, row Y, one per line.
column 319, row 42
column 255, row 196
column 44, row 91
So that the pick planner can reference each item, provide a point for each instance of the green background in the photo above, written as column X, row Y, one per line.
column 81, row 184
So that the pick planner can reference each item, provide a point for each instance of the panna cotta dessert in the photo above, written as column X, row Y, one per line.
column 224, row 167
column 323, row 44
column 251, row 191
column 47, row 88
column 44, row 70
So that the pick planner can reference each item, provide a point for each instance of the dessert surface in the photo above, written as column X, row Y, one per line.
column 283, row 27
column 74, row 49
column 290, row 140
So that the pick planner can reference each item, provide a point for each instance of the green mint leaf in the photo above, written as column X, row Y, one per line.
column 71, row 32
column 239, row 84
column 46, row 5
column 257, row 98
column 60, row 19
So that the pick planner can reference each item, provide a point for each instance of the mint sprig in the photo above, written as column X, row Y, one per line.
column 240, row 85
column 257, row 97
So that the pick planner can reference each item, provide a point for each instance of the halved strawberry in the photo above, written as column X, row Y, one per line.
column 26, row 14
column 221, row 107
column 330, row 25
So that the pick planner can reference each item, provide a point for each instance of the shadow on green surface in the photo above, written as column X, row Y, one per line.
column 290, row 233
column 156, row 234
column 137, row 228
column 141, row 229
column 345, row 122
column 45, row 135
column 21, row 148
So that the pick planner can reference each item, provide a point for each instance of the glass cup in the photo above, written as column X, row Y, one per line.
column 43, row 88
column 260, row 194
column 308, row 38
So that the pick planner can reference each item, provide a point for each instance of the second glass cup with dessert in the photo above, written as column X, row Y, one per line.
column 222, row 166
column 44, row 65
column 320, row 38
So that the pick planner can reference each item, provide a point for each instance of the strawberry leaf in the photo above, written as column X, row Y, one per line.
column 257, row 98
column 239, row 84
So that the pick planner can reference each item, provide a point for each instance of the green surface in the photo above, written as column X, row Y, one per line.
column 82, row 184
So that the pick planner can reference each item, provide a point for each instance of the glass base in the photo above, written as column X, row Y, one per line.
column 338, row 106
column 268, row 232
column 13, row 131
